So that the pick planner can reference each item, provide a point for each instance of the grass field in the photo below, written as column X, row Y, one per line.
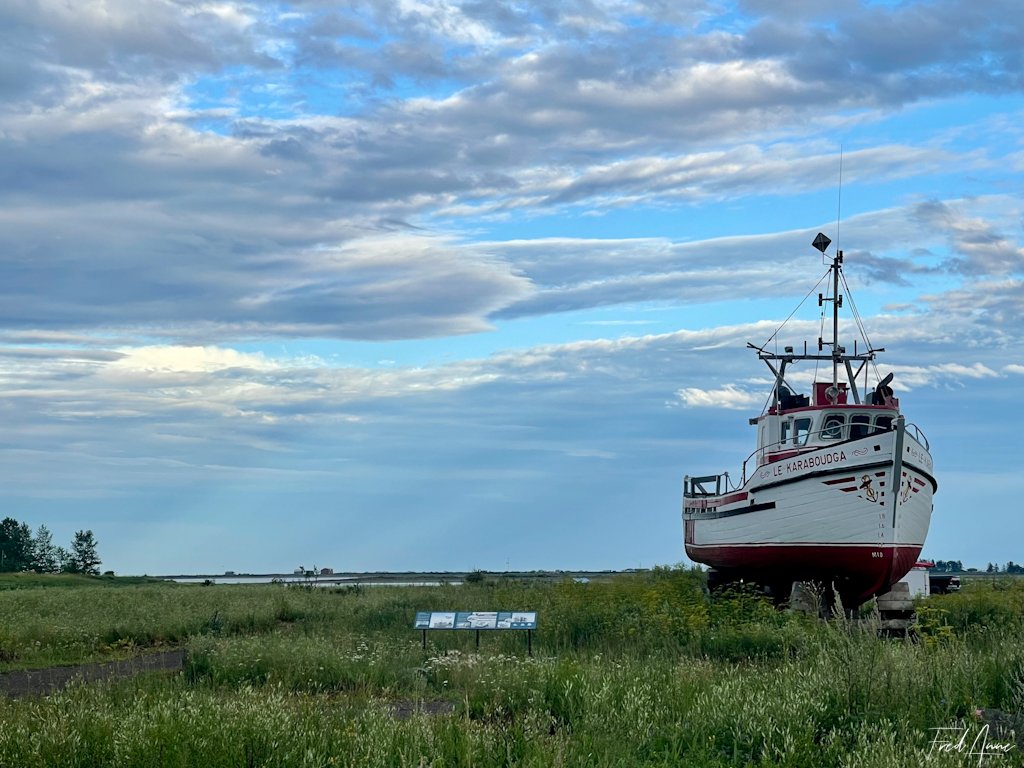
column 640, row 670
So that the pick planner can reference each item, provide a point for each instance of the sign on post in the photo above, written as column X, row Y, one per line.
column 477, row 620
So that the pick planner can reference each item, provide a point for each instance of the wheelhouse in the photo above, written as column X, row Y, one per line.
column 804, row 428
column 798, row 423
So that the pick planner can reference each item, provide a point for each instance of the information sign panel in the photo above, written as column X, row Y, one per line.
column 475, row 620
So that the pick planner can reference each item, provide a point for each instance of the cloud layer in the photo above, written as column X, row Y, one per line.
column 316, row 171
column 488, row 193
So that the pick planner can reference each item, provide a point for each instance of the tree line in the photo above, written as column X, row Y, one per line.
column 956, row 566
column 1010, row 567
column 20, row 550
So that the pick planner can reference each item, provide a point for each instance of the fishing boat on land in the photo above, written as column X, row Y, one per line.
column 839, row 489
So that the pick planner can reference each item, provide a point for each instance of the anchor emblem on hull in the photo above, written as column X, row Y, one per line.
column 866, row 486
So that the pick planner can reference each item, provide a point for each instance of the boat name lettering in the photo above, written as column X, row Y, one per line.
column 809, row 462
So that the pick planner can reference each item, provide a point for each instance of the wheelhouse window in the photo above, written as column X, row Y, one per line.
column 883, row 423
column 801, row 431
column 832, row 427
column 860, row 425
column 795, row 431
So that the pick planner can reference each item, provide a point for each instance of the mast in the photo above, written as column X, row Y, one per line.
column 821, row 242
column 838, row 355
column 837, row 302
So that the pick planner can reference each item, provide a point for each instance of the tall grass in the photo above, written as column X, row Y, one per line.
column 639, row 671
column 49, row 625
column 317, row 707
column 43, row 626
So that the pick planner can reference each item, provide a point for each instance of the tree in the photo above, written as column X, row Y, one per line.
column 83, row 558
column 64, row 564
column 44, row 553
column 15, row 545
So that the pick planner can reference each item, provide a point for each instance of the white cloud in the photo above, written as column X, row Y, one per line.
column 124, row 176
column 729, row 396
column 175, row 359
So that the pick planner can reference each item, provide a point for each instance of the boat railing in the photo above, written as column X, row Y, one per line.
column 914, row 431
column 759, row 453
column 706, row 485
column 808, row 442
column 762, row 453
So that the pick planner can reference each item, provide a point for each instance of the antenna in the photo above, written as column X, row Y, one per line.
column 839, row 204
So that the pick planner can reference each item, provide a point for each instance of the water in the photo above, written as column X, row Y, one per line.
column 319, row 581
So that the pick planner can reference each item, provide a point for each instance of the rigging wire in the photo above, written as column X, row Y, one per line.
column 776, row 331
column 858, row 319
column 860, row 323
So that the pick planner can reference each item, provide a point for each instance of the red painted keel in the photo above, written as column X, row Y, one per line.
column 860, row 571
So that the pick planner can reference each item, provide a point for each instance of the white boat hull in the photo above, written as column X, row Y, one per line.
column 857, row 513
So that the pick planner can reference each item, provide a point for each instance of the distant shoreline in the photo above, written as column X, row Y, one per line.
column 384, row 577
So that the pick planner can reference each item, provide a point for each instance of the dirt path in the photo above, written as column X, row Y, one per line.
column 43, row 681
column 39, row 682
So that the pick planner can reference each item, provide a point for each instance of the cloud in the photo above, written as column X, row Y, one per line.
column 979, row 248
column 171, row 359
column 889, row 247
column 728, row 396
column 112, row 40
column 895, row 54
column 184, row 183
column 221, row 171
column 995, row 309
column 218, row 432
column 109, row 421
column 741, row 170
column 956, row 374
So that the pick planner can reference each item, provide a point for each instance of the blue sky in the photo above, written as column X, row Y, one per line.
column 446, row 285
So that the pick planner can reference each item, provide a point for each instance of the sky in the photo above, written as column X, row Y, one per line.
column 430, row 284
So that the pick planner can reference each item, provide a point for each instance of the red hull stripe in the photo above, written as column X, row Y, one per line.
column 715, row 501
column 838, row 480
column 733, row 498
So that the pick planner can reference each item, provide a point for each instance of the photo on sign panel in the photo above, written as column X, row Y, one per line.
column 444, row 620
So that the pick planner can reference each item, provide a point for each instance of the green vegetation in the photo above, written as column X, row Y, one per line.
column 30, row 579
column 21, row 551
column 641, row 670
